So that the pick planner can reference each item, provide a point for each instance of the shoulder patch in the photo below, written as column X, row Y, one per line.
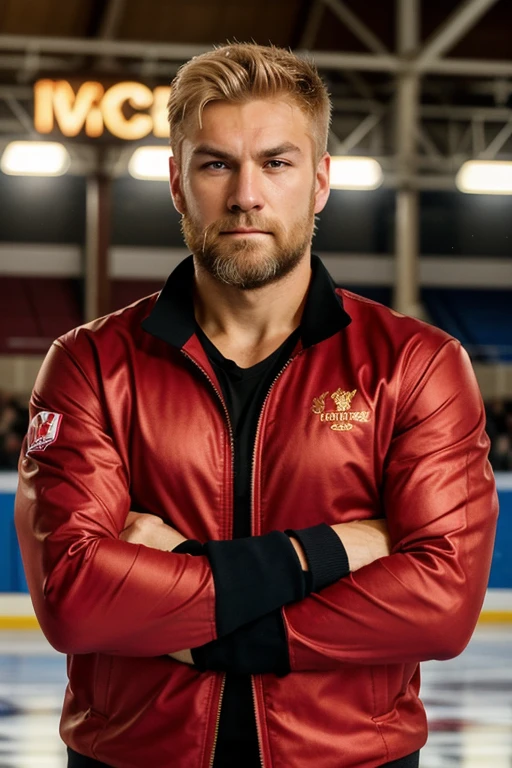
column 43, row 430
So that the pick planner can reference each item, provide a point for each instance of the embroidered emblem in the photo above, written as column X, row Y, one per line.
column 343, row 418
column 43, row 430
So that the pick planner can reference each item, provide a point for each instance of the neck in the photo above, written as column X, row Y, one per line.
column 246, row 326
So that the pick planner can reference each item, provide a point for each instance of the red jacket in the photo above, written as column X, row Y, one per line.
column 381, row 416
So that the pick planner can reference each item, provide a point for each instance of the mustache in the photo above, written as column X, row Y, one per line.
column 244, row 221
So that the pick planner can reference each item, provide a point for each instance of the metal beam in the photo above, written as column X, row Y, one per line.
column 498, row 142
column 358, row 134
column 463, row 18
column 17, row 62
column 361, row 61
column 471, row 67
column 427, row 111
column 17, row 92
column 111, row 20
column 356, row 26
column 123, row 49
column 98, row 217
column 428, row 144
column 406, row 282
column 20, row 112
column 478, row 136
column 358, row 83
column 109, row 26
column 488, row 114
column 179, row 52
column 356, row 105
column 310, row 31
column 408, row 27
column 9, row 126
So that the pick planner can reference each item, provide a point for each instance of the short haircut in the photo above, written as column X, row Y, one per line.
column 241, row 72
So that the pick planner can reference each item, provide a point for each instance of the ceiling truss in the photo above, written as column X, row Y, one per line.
column 439, row 135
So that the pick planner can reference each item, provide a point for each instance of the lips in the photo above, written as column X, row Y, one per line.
column 244, row 232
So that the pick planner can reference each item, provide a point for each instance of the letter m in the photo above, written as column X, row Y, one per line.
column 56, row 99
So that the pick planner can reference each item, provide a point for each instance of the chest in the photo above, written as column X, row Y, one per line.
column 320, row 445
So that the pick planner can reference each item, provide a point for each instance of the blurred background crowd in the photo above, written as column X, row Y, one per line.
column 499, row 429
column 13, row 426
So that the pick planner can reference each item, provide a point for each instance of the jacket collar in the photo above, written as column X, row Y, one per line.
column 172, row 317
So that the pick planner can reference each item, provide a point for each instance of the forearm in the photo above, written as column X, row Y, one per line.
column 261, row 647
column 257, row 575
column 394, row 611
column 103, row 595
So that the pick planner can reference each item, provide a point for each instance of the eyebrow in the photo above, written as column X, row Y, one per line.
column 280, row 149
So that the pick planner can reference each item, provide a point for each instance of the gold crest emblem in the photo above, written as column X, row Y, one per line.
column 343, row 418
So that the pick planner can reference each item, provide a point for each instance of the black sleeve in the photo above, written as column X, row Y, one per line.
column 253, row 576
column 326, row 556
column 261, row 646
column 254, row 649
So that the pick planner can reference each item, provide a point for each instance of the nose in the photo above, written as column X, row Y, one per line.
column 245, row 193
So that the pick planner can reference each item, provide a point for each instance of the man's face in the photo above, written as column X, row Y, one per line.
column 248, row 188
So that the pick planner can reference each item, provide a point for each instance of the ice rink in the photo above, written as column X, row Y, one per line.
column 468, row 702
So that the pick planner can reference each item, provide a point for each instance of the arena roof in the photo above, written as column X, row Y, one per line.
column 459, row 49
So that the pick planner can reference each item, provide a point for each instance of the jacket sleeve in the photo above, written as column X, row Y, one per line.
column 91, row 591
column 422, row 601
column 94, row 592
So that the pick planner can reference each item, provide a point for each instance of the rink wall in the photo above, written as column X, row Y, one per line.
column 16, row 611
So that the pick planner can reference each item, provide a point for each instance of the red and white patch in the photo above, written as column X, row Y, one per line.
column 43, row 430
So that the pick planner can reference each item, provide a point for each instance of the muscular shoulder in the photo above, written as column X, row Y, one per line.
column 403, row 349
column 372, row 320
column 111, row 333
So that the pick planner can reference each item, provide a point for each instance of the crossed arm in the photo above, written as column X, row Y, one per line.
column 363, row 540
column 95, row 591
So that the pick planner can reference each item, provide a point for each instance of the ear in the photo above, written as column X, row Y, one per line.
column 175, row 183
column 322, row 187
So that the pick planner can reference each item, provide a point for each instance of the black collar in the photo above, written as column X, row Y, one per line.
column 172, row 317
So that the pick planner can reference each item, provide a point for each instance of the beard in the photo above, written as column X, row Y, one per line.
column 252, row 262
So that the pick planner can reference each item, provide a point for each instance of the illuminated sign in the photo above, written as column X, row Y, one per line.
column 128, row 110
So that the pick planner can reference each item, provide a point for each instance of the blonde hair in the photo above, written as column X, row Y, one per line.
column 240, row 72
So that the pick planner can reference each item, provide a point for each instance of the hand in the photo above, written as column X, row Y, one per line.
column 364, row 541
column 300, row 553
column 185, row 657
column 151, row 531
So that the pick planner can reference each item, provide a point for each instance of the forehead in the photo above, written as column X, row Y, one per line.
column 251, row 126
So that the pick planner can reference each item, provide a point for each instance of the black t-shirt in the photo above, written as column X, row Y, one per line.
column 244, row 391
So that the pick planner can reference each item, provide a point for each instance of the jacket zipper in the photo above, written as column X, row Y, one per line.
column 232, row 443
column 217, row 721
column 224, row 408
column 258, row 729
column 256, row 438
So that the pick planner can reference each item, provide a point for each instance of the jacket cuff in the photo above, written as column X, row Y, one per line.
column 254, row 649
column 253, row 576
column 189, row 547
column 327, row 557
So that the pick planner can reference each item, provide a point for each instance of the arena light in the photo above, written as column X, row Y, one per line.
column 355, row 173
column 35, row 158
column 150, row 163
column 485, row 177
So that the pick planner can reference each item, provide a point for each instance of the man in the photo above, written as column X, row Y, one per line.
column 210, row 469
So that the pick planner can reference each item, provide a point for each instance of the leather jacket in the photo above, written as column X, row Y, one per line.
column 375, row 414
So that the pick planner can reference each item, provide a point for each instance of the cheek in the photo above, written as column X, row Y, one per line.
column 204, row 201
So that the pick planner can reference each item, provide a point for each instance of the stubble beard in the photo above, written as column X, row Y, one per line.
column 252, row 262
